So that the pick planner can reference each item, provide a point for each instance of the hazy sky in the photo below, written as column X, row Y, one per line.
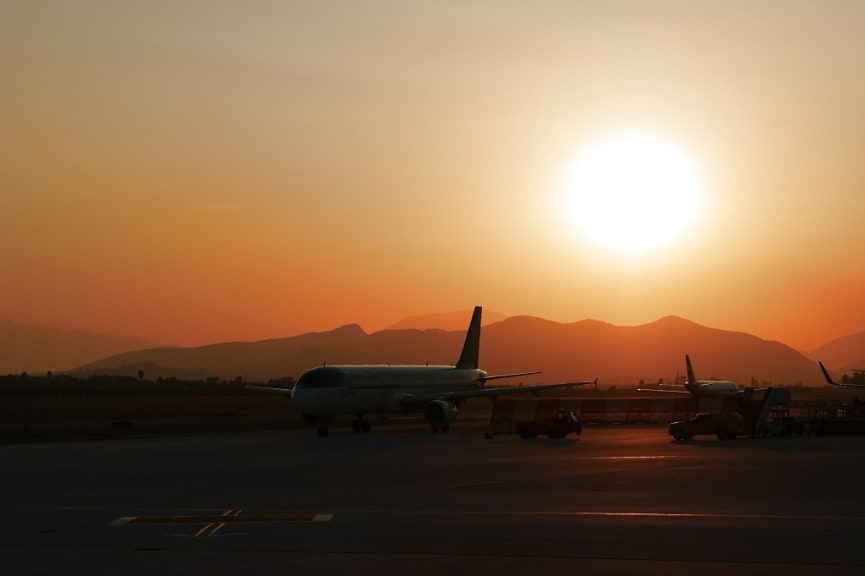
column 192, row 172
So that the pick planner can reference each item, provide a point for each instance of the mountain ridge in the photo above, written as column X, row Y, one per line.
column 455, row 320
column 564, row 351
column 845, row 353
column 511, row 344
column 35, row 348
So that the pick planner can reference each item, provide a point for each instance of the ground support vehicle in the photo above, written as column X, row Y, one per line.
column 724, row 425
column 765, row 411
column 839, row 420
column 559, row 426
column 787, row 425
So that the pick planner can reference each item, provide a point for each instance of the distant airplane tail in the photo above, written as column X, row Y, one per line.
column 471, row 347
column 844, row 382
column 691, row 378
column 826, row 375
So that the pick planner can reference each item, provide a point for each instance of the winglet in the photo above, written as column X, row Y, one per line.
column 471, row 347
column 826, row 374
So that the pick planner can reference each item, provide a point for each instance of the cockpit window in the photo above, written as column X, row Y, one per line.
column 321, row 378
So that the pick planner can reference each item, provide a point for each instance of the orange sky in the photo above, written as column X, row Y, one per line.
column 206, row 171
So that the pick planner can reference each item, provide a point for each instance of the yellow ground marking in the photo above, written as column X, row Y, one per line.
column 213, row 523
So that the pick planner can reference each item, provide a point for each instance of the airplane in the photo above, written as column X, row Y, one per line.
column 841, row 384
column 323, row 392
column 696, row 387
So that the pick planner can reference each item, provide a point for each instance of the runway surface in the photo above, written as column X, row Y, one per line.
column 618, row 500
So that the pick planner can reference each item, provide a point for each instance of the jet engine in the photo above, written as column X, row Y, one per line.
column 439, row 414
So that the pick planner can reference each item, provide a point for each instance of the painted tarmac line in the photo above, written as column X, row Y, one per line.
column 214, row 527
column 213, row 519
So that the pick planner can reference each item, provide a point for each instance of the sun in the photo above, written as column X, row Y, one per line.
column 633, row 192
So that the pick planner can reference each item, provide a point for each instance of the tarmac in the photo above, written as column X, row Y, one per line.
column 615, row 500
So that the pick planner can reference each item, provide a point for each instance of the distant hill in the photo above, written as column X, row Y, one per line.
column 625, row 354
column 38, row 349
column 457, row 320
column 257, row 361
column 842, row 354
column 619, row 355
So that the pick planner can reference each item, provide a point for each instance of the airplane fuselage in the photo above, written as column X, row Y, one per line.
column 435, row 391
column 713, row 388
column 377, row 389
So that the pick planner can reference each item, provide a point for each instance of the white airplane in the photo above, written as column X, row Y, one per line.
column 696, row 387
column 324, row 392
column 841, row 384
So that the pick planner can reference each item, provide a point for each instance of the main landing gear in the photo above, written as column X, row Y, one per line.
column 360, row 425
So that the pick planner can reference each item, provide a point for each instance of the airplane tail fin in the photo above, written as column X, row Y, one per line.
column 826, row 375
column 471, row 347
column 691, row 378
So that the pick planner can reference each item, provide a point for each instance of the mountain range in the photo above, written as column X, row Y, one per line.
column 445, row 321
column 38, row 349
column 618, row 355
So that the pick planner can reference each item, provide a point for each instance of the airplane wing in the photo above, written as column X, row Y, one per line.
column 269, row 389
column 415, row 399
column 518, row 374
column 833, row 383
column 663, row 391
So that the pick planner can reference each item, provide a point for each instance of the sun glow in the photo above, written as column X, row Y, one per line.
column 632, row 193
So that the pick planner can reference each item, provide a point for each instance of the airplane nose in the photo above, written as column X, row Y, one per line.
column 297, row 394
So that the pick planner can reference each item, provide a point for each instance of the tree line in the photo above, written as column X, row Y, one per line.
column 112, row 385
